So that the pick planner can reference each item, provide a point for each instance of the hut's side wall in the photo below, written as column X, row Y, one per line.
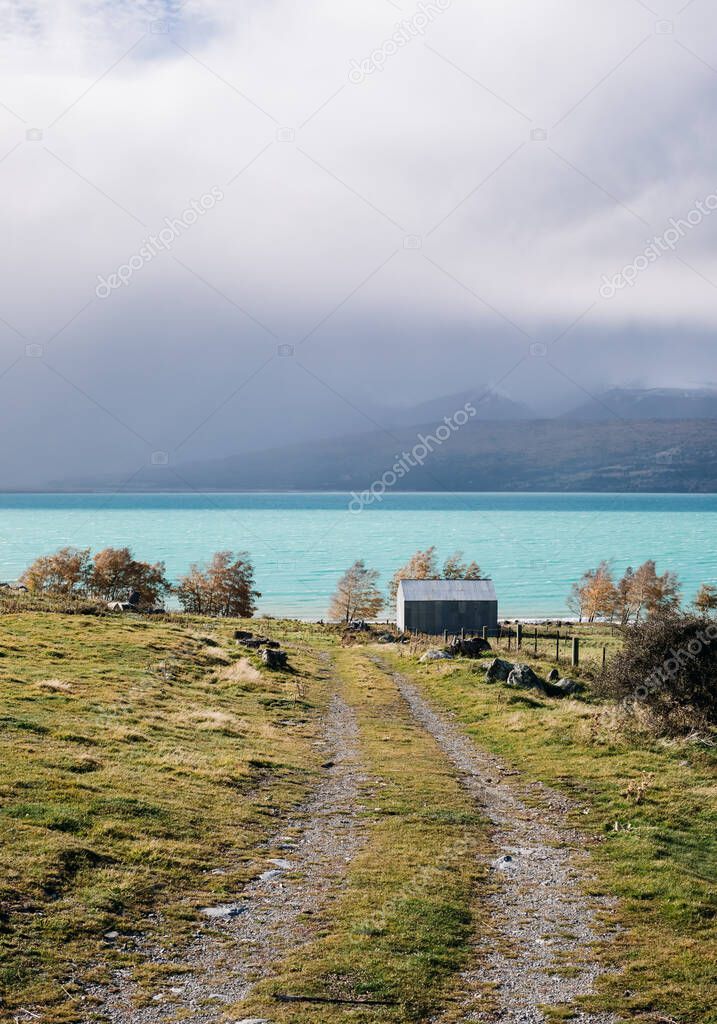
column 434, row 617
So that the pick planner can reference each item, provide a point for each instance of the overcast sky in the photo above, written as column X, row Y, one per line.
column 403, row 201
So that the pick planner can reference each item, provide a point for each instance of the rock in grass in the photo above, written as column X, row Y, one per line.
column 568, row 686
column 436, row 655
column 523, row 678
column 553, row 675
column 498, row 671
column 387, row 638
column 273, row 658
column 472, row 647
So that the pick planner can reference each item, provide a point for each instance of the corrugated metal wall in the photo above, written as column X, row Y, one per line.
column 435, row 616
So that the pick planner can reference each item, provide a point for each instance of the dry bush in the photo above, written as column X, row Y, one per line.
column 665, row 675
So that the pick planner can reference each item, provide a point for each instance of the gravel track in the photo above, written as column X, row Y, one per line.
column 543, row 918
column 272, row 914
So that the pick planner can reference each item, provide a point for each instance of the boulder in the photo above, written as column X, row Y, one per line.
column 553, row 675
column 242, row 634
column 568, row 686
column 436, row 655
column 498, row 671
column 273, row 658
column 469, row 648
column 523, row 678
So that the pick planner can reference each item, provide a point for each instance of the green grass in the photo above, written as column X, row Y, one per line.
column 649, row 809
column 135, row 757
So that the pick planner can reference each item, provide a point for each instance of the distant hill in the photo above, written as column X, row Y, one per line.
column 654, row 403
column 537, row 455
column 489, row 405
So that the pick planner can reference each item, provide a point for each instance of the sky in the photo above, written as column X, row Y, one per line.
column 230, row 225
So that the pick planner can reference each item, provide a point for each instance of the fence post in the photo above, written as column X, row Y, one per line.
column 557, row 647
column 536, row 641
column 575, row 660
column 485, row 632
column 509, row 636
column 604, row 658
column 519, row 635
column 445, row 636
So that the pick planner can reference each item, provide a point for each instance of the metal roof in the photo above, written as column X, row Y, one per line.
column 447, row 590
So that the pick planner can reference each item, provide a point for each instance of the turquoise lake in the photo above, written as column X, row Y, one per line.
column 533, row 545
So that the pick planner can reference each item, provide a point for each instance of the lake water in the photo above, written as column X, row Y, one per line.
column 533, row 545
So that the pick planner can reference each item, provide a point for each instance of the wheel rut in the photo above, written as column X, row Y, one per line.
column 545, row 923
column 236, row 947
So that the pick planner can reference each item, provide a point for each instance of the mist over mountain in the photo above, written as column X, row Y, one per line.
column 511, row 451
column 648, row 404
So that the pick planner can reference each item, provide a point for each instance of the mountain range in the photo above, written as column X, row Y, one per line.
column 623, row 440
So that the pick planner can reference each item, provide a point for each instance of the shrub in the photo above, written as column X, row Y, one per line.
column 668, row 668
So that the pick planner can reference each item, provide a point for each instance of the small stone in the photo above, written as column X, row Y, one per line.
column 278, row 862
column 226, row 910
column 111, row 935
column 436, row 655
column 502, row 863
column 267, row 876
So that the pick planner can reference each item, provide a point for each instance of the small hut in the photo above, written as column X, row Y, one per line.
column 432, row 606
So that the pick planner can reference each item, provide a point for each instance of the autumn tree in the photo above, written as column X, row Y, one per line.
column 421, row 566
column 65, row 572
column 224, row 588
column 625, row 606
column 706, row 600
column 357, row 595
column 597, row 596
column 454, row 568
column 594, row 595
column 651, row 592
column 116, row 574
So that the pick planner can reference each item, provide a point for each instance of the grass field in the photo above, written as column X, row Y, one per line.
column 138, row 754
column 135, row 754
